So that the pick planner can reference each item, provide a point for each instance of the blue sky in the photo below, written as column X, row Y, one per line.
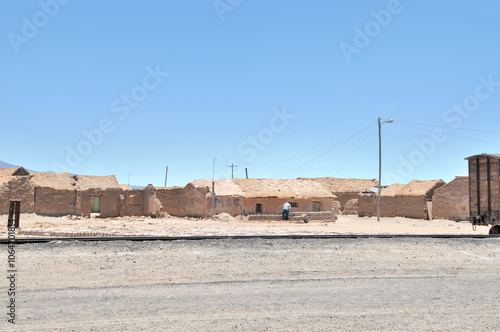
column 285, row 89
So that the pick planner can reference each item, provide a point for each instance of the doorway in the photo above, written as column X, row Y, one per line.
column 96, row 204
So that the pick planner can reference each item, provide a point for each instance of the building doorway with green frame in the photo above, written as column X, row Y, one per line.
column 96, row 204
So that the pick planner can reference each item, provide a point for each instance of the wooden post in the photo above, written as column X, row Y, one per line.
column 14, row 213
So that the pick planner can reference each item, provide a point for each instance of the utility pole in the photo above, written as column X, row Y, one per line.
column 166, row 173
column 380, row 123
column 213, row 189
column 232, row 169
column 246, row 172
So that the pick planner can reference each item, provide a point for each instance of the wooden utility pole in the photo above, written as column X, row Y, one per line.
column 166, row 173
column 232, row 169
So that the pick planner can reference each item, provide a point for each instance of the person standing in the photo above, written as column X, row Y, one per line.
column 286, row 210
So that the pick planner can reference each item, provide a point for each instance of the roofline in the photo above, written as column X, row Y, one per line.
column 496, row 156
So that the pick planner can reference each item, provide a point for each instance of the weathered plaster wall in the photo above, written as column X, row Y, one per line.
column 186, row 201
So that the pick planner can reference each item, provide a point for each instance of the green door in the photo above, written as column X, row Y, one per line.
column 96, row 204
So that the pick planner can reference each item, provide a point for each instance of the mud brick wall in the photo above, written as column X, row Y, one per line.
column 367, row 205
column 54, row 202
column 344, row 197
column 387, row 206
column 134, row 202
column 452, row 200
column 152, row 206
column 411, row 206
column 17, row 187
column 185, row 201
column 109, row 201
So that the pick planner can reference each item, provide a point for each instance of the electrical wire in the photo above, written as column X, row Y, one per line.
column 447, row 127
column 467, row 138
column 331, row 148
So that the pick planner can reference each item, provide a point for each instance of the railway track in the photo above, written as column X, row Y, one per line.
column 243, row 237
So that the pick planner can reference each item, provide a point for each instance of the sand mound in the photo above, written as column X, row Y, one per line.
column 224, row 217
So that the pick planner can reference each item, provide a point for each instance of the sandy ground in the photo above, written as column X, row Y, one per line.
column 34, row 225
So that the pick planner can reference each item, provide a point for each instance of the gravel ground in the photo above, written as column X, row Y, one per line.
column 259, row 285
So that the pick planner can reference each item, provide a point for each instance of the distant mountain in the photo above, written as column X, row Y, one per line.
column 7, row 165
column 3, row 164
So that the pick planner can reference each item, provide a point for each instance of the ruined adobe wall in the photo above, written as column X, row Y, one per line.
column 187, row 201
column 152, row 205
column 134, row 202
column 452, row 200
column 344, row 197
column 109, row 201
column 17, row 187
column 54, row 202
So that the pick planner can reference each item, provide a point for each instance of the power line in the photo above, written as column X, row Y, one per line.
column 332, row 148
column 447, row 127
column 467, row 138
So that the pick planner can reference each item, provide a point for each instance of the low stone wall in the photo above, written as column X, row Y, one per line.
column 296, row 216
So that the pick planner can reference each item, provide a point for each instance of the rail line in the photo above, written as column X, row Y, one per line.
column 247, row 237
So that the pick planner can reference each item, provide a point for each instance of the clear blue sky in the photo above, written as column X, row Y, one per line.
column 283, row 88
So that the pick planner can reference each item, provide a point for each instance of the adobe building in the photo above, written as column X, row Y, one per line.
column 55, row 193
column 15, row 184
column 345, row 189
column 368, row 202
column 451, row 201
column 245, row 196
column 415, row 199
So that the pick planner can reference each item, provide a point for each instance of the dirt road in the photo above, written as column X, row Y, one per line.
column 259, row 285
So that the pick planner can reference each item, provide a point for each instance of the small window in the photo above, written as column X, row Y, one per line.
column 258, row 208
column 293, row 204
column 316, row 206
